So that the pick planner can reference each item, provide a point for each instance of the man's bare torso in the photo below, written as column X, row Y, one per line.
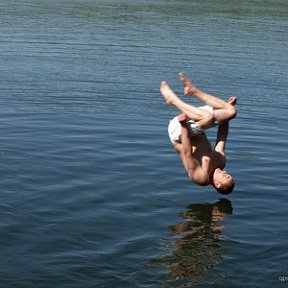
column 208, row 158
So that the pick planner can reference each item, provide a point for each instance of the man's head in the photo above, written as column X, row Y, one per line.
column 222, row 181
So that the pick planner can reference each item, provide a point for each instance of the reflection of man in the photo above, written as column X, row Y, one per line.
column 198, row 247
column 203, row 164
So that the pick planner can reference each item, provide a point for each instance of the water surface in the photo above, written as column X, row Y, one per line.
column 92, row 193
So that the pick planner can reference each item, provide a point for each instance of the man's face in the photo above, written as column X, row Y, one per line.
column 222, row 178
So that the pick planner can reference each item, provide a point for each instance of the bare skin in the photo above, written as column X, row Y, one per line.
column 222, row 110
column 204, row 118
column 203, row 164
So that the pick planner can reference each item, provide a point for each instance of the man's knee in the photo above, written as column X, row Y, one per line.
column 232, row 112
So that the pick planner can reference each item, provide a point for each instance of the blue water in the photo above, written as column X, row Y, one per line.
column 92, row 193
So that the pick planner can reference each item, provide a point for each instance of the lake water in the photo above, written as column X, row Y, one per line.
column 92, row 193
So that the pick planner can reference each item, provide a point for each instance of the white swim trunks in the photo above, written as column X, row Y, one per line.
column 175, row 128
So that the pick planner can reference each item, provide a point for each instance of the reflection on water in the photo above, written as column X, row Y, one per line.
column 197, row 247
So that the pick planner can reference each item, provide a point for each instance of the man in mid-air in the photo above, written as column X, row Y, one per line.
column 203, row 164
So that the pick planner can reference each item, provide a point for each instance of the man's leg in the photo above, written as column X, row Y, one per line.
column 222, row 110
column 204, row 118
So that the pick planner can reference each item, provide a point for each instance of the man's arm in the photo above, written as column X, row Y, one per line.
column 222, row 135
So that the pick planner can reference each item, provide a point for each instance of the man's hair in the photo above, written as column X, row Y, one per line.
column 225, row 189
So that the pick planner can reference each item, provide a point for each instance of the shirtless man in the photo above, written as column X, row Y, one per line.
column 203, row 164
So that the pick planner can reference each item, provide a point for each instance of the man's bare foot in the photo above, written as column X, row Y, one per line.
column 167, row 93
column 232, row 100
column 189, row 88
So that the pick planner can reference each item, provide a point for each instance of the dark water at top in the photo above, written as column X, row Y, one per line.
column 92, row 193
